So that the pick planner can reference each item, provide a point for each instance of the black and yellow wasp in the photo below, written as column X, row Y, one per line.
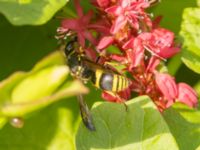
column 86, row 70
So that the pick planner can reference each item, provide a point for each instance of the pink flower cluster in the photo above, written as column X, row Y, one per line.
column 142, row 43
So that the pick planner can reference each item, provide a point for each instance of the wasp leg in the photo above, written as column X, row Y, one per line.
column 123, row 102
column 85, row 114
column 97, row 59
column 118, row 98
column 126, row 107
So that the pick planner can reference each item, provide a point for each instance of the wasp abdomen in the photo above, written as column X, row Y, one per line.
column 106, row 81
column 109, row 81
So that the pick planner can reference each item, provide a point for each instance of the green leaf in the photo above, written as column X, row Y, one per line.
column 32, row 12
column 51, row 128
column 197, row 87
column 26, row 92
column 21, row 109
column 190, row 31
column 3, row 121
column 171, row 11
column 184, row 123
column 45, row 82
column 52, row 59
column 141, row 126
column 198, row 3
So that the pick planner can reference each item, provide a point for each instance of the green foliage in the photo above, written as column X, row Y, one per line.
column 22, row 47
column 25, row 92
column 184, row 124
column 141, row 126
column 51, row 128
column 29, row 95
column 190, row 32
column 34, row 12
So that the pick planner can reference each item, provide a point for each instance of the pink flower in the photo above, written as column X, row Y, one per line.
column 80, row 25
column 134, row 52
column 105, row 42
column 103, row 3
column 127, row 11
column 187, row 95
column 90, row 53
column 167, row 86
column 152, row 64
column 119, row 97
column 160, row 42
column 106, row 39
column 109, row 97
column 125, row 25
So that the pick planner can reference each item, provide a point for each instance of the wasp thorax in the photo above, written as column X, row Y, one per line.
column 69, row 48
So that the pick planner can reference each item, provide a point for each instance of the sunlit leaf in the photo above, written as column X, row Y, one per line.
column 190, row 31
column 32, row 12
column 51, row 128
column 141, row 126
column 39, row 84
column 184, row 123
column 3, row 121
column 26, row 92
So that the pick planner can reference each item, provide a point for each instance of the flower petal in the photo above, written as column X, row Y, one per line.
column 134, row 51
column 138, row 52
column 107, row 96
column 166, row 85
column 103, row 3
column 100, row 27
column 85, row 20
column 117, row 57
column 90, row 53
column 187, row 95
column 152, row 64
column 70, row 24
column 129, row 43
column 105, row 42
column 88, row 35
column 114, row 10
column 119, row 23
column 81, row 39
column 168, row 52
column 78, row 8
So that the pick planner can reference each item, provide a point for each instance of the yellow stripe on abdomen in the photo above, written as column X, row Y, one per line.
column 98, row 74
column 122, row 83
column 115, row 83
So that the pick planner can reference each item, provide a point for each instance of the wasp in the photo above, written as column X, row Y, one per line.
column 101, row 77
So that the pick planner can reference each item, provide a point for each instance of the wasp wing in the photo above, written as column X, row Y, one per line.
column 85, row 113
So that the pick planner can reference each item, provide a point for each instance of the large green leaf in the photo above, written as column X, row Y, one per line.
column 190, row 31
column 184, row 123
column 52, row 128
column 141, row 126
column 32, row 12
column 25, row 92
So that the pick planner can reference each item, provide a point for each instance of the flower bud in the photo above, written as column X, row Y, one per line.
column 105, row 42
column 167, row 86
column 187, row 95
column 103, row 3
